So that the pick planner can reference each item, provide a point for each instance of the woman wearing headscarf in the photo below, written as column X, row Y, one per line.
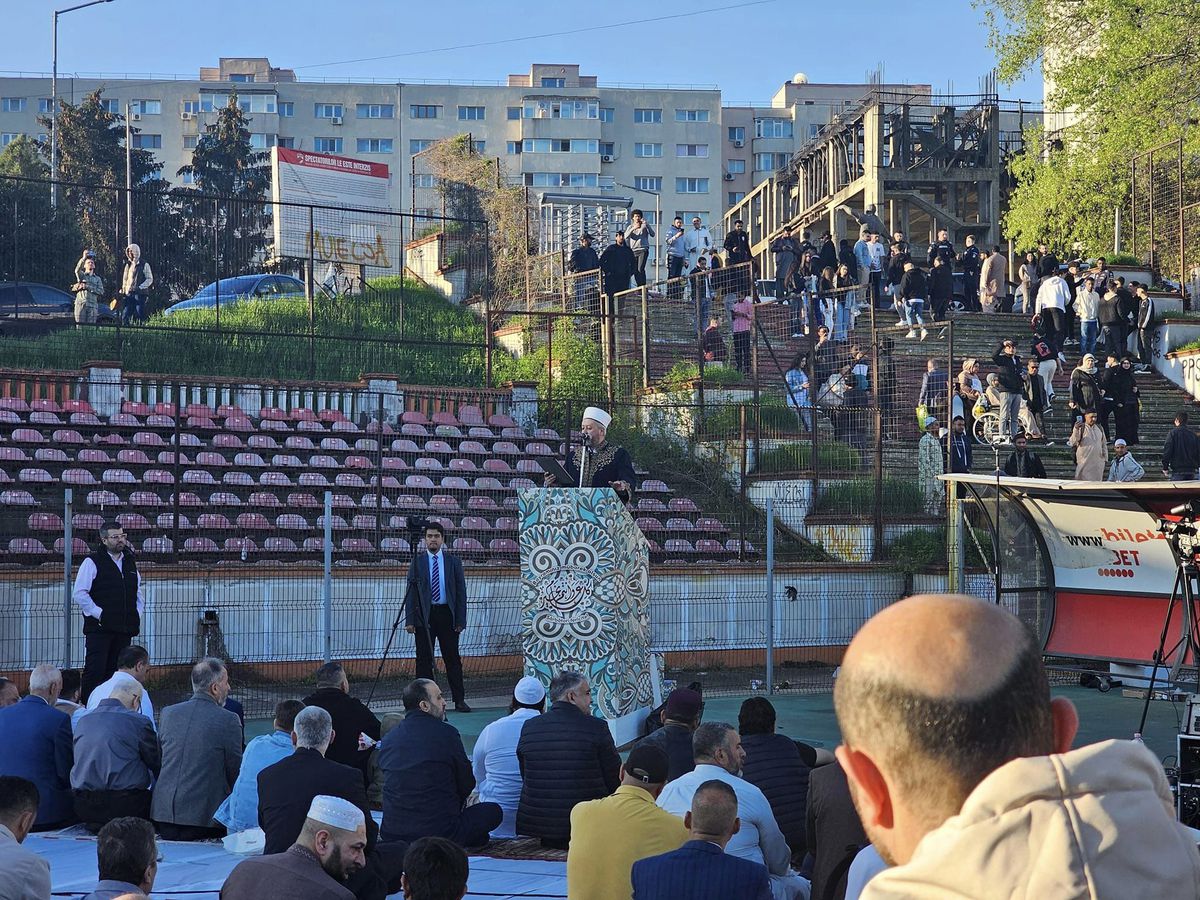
column 1028, row 274
column 1085, row 389
column 970, row 389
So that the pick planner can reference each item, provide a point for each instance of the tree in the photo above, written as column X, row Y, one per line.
column 1125, row 71
column 231, row 181
column 37, row 244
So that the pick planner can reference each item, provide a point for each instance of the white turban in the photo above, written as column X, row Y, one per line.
column 336, row 812
column 598, row 415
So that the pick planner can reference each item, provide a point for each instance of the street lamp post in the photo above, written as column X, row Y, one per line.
column 54, row 99
column 657, row 225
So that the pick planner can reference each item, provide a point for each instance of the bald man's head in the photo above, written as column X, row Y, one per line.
column 939, row 691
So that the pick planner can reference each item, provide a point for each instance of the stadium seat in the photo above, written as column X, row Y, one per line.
column 462, row 465
column 710, row 524
column 414, row 430
column 68, row 436
column 444, row 418
column 44, row 418
column 466, row 545
column 480, row 431
column 503, row 545
column 455, row 483
column 157, row 545
column 286, row 461
column 50, row 454
column 344, row 426
column 373, row 428
column 272, row 413
column 77, row 476
column 166, row 521
column 299, row 500
column 249, row 460
column 314, row 545
column 411, row 501
column 651, row 504
column 517, row 484
column 404, row 445
column 124, row 420
column 45, row 405
column 310, row 425
column 35, row 475
column 394, row 462
column 506, row 523
column 394, row 545
column 133, row 521
column 678, row 545
column 331, row 415
column 708, row 545
column 515, row 433
column 196, row 423
column 82, row 419
column 252, row 520
column 201, row 410
column 312, row 479
column 79, row 547
column 733, row 545
column 26, row 546
column 18, row 498
column 224, row 498
column 279, row 545
column 15, row 404
column 678, row 524
column 363, row 522
column 156, row 421
column 197, row 476
column 428, row 462
column 147, row 439
column 506, row 448
column 334, row 444
column 292, row 522
column 87, row 521
column 212, row 521
column 298, row 442
column 487, row 483
column 537, row 448
column 112, row 439
column 158, row 476
column 200, row 545
column 654, row 486
column 44, row 522
column 145, row 498
column 682, row 504
column 227, row 441
column 187, row 440
column 443, row 502
column 13, row 454
column 470, row 415
column 77, row 406
column 355, row 461
column 262, row 442
column 481, row 502
column 436, row 446
column 412, row 417
column 274, row 479
column 349, row 479
column 237, row 479
column 529, row 466
column 337, row 523
column 342, row 501
column 133, row 408
column 272, row 425
column 648, row 523
column 375, row 501
column 546, row 434
column 89, row 455
column 367, row 445
column 239, row 424
column 27, row 436
column 118, row 476
column 474, row 523
column 211, row 458
column 133, row 457
column 357, row 545
column 264, row 500
column 5, row 478
column 499, row 420
column 447, row 431
column 188, row 498
column 165, row 409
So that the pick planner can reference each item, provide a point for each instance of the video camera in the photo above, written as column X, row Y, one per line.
column 1184, row 534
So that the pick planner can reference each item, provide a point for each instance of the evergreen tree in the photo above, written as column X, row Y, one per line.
column 231, row 183
column 37, row 245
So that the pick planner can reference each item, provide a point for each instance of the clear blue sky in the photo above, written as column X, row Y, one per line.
column 747, row 50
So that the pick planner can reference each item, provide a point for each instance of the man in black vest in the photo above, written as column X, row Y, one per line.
column 108, row 591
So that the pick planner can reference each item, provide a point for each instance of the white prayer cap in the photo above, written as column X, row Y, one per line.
column 1120, row 442
column 529, row 690
column 336, row 812
column 599, row 415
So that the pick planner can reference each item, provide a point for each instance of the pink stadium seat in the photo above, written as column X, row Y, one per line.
column 77, row 476
column 394, row 462
column 366, row 445
column 133, row 408
column 79, row 547
column 224, row 498
column 87, row 521
column 148, row 439
column 26, row 546
column 349, row 479
column 472, row 448
column 111, row 439
column 546, row 434
column 201, row 422
column 455, row 483
column 188, row 498
column 262, row 442
column 18, row 498
column 45, row 405
column 155, row 421
column 133, row 522
column 212, row 520
column 200, row 545
column 249, row 460
column 274, row 479
column 312, row 479
column 503, row 545
column 264, row 500
column 374, row 501
column 68, row 436
column 145, row 498
column 314, row 544
column 49, row 454
column 286, row 461
column 270, row 413
column 373, row 428
column 654, row 486
column 13, row 454
column 466, row 545
column 418, row 481
column 529, row 466
column 708, row 545
column 505, row 448
column 537, row 448
column 462, row 465
column 200, row 409
column 158, row 476
column 363, row 522
column 678, row 545
column 310, row 426
column 15, row 404
column 678, row 524
column 436, row 446
column 334, row 444
column 279, row 545
column 709, row 524
column 354, row 461
column 272, row 425
column 44, row 522
column 35, row 475
column 165, row 409
column 394, row 545
column 475, row 523
column 83, row 419
column 357, row 545
column 682, row 504
column 124, row 420
column 103, row 498
column 252, row 520
column 414, row 430
column 499, row 420
column 298, row 500
column 411, row 501
column 27, row 436
column 342, row 501
column 133, row 457
column 211, row 458
column 237, row 479
column 443, row 501
column 648, row 523
column 77, row 406
column 651, row 503
column 157, row 545
column 344, row 426
column 197, row 476
column 89, row 455
column 331, row 415
column 298, row 442
column 413, row 417
column 470, row 415
column 480, row 431
column 481, row 502
column 428, row 462
column 239, row 424
column 487, row 483
column 404, row 445
column 292, row 522
column 337, row 523
column 187, row 440
column 166, row 521
column 44, row 418
column 227, row 441
column 444, row 418
column 118, row 476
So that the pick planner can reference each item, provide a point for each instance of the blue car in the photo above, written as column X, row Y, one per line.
column 242, row 287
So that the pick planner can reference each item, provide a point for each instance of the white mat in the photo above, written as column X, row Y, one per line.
column 198, row 870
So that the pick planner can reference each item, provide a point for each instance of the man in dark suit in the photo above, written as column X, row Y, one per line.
column 428, row 778
column 435, row 606
column 37, row 747
column 287, row 788
column 834, row 831
column 350, row 718
column 700, row 869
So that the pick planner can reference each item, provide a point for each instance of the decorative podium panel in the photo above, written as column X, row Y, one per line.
column 584, row 571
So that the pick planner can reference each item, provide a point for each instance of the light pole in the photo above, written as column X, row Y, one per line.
column 54, row 100
column 657, row 225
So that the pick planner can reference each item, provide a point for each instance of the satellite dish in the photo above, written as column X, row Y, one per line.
column 799, row 78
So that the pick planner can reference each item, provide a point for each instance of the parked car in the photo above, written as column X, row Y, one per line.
column 241, row 287
column 24, row 299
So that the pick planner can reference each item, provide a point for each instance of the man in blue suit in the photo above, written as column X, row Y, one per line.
column 435, row 605
column 700, row 869
column 37, row 747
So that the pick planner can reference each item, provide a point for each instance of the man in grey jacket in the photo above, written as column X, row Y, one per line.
column 202, row 753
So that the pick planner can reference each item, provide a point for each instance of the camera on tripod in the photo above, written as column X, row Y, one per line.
column 1184, row 534
column 416, row 529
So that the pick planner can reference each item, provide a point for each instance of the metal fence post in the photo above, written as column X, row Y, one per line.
column 68, row 539
column 327, row 586
column 645, row 298
column 770, row 596
column 954, row 577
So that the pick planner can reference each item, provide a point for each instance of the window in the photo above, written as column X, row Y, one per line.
column 561, row 179
column 12, row 104
column 423, row 111
column 190, row 141
column 736, row 197
column 688, row 214
column 287, row 109
column 608, row 148
column 651, row 183
column 512, row 113
column 416, row 146
column 647, row 116
column 327, row 110
column 262, row 141
column 769, row 162
column 146, row 107
column 44, row 105
column 513, row 147
column 691, row 185
column 250, row 103
column 111, row 106
column 554, row 82
column 606, row 114
column 813, row 130
column 424, row 181
column 288, row 143
column 737, row 133
column 188, row 177
column 471, row 113
column 773, row 128
column 691, row 115
column 8, row 137
column 559, row 145
column 479, row 146
column 737, row 167
column 147, row 141
column 190, row 106
column 374, row 145
column 375, row 111
column 561, row 109
column 327, row 144
column 242, row 78
column 698, row 150
column 423, row 212
column 647, row 150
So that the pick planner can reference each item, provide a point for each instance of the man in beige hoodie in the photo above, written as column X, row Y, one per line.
column 961, row 769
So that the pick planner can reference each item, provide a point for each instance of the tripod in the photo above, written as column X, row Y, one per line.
column 423, row 627
column 1183, row 594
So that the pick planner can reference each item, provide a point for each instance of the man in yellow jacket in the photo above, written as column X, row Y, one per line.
column 609, row 835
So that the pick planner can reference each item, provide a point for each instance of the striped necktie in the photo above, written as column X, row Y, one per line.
column 435, row 580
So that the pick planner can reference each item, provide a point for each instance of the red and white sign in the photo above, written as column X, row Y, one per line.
column 353, row 222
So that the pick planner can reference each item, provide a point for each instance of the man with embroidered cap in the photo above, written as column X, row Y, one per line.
column 330, row 849
column 494, row 757
column 603, row 464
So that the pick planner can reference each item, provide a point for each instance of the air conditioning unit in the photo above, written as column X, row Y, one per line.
column 608, row 157
column 187, row 116
column 739, row 144
column 336, row 120
column 136, row 117
column 729, row 176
